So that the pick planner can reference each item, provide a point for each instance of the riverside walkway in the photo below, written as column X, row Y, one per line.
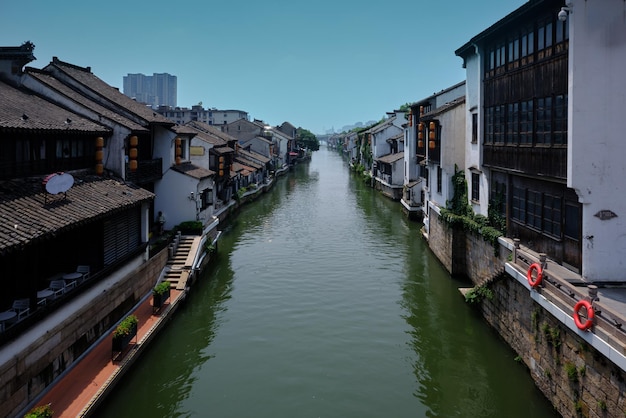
column 79, row 391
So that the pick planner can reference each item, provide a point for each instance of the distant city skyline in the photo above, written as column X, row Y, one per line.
column 155, row 90
column 317, row 65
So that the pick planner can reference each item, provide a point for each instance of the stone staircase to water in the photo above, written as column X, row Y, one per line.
column 180, row 265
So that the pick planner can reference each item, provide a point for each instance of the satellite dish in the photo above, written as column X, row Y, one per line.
column 58, row 183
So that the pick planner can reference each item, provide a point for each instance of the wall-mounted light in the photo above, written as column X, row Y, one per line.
column 565, row 11
column 191, row 196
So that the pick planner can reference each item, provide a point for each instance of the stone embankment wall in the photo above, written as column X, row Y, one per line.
column 462, row 254
column 578, row 380
column 33, row 368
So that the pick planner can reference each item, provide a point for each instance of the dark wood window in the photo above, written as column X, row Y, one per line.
column 439, row 177
column 474, row 128
column 527, row 42
column 544, row 120
column 526, row 122
column 560, row 120
column 512, row 123
column 500, row 58
column 533, row 209
column 498, row 124
column 475, row 187
column 552, row 215
column 121, row 235
column 498, row 197
column 69, row 148
column 518, row 204
column 489, row 124
column 561, row 35
column 543, row 212
column 544, row 39
column 513, row 54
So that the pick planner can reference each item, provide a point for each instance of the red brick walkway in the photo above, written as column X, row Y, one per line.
column 82, row 385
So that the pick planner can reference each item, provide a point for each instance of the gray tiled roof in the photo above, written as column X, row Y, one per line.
column 85, row 77
column 254, row 156
column 193, row 170
column 211, row 130
column 207, row 137
column 222, row 150
column 184, row 130
column 22, row 110
column 391, row 158
column 73, row 95
column 443, row 108
column 247, row 161
column 28, row 214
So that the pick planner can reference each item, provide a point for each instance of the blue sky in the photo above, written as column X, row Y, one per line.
column 317, row 64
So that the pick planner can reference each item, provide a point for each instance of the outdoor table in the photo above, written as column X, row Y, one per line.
column 71, row 278
column 6, row 316
column 44, row 294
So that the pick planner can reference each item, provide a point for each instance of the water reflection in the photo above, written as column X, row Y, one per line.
column 166, row 371
column 461, row 367
column 325, row 301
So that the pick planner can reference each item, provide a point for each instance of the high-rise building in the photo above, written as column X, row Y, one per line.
column 155, row 90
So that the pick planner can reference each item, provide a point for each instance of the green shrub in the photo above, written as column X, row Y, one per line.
column 478, row 293
column 190, row 227
column 124, row 328
column 209, row 247
column 161, row 288
column 481, row 220
column 572, row 372
column 41, row 411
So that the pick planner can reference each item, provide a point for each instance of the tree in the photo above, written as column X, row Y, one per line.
column 307, row 139
column 405, row 107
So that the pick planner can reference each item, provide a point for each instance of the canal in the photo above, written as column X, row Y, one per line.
column 325, row 302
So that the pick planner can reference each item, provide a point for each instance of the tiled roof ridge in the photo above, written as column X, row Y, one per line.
column 57, row 61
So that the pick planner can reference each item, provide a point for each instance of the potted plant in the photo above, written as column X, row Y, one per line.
column 124, row 332
column 160, row 294
column 41, row 411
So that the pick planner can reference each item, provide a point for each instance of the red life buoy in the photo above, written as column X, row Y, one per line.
column 590, row 314
column 537, row 281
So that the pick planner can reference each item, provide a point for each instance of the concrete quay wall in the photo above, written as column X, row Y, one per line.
column 579, row 380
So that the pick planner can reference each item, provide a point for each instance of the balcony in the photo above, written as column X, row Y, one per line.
column 148, row 171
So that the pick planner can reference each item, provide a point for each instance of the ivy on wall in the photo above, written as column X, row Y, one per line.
column 459, row 214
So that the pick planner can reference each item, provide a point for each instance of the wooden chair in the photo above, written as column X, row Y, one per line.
column 22, row 308
column 58, row 287
column 85, row 271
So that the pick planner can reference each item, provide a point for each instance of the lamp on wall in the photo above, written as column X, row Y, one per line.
column 420, row 135
column 132, row 153
column 191, row 196
column 431, row 135
column 99, row 155
column 563, row 13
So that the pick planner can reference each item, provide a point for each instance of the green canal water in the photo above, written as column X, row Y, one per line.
column 325, row 302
